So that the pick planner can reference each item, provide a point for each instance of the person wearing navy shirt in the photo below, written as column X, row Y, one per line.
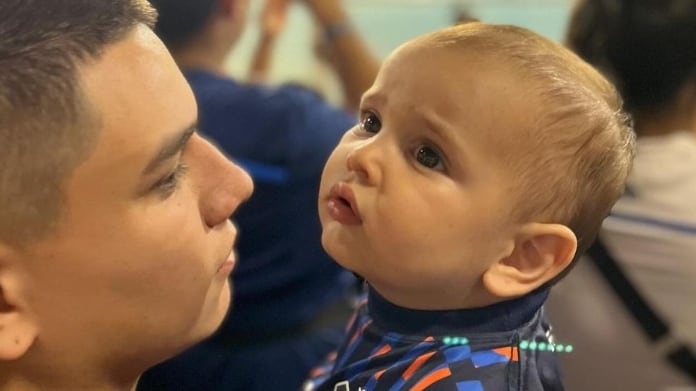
column 484, row 161
column 290, row 299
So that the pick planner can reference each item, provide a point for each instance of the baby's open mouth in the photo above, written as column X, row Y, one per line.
column 342, row 206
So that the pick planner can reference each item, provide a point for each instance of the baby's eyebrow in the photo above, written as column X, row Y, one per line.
column 170, row 147
column 438, row 126
column 373, row 98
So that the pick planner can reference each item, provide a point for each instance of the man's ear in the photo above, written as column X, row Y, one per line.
column 228, row 8
column 540, row 253
column 232, row 15
column 18, row 327
column 225, row 7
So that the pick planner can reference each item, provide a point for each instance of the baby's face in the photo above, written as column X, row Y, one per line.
column 415, row 198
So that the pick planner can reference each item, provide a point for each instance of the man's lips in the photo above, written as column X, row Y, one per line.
column 342, row 205
column 228, row 265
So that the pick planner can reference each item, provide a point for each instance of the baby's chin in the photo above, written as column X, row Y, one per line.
column 345, row 262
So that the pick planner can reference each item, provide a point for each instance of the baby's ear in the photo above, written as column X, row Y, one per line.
column 541, row 252
column 18, row 328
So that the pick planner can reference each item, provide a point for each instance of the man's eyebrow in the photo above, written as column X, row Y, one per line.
column 170, row 147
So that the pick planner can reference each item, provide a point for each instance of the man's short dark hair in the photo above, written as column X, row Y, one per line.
column 46, row 126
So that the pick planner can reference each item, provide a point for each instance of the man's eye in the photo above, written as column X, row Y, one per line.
column 370, row 123
column 429, row 157
column 170, row 183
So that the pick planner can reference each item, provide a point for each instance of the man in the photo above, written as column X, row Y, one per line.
column 288, row 311
column 115, row 243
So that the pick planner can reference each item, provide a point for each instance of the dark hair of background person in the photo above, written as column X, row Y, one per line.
column 462, row 14
column 181, row 20
column 46, row 126
column 647, row 47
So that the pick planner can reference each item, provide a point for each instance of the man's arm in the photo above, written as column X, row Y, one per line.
column 354, row 63
column 272, row 23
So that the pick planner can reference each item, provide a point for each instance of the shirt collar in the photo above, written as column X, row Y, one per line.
column 499, row 317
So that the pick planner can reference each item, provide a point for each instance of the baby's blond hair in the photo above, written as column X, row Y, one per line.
column 573, row 160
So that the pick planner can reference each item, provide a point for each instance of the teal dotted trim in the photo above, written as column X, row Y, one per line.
column 455, row 341
column 545, row 347
column 524, row 345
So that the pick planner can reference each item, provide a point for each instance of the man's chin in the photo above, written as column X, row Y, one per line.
column 224, row 307
column 210, row 322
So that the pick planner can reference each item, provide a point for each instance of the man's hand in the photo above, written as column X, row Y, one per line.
column 273, row 17
column 354, row 64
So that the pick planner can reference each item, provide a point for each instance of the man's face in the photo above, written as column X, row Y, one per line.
column 415, row 198
column 138, row 269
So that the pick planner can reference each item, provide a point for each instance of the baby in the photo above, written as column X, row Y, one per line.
column 485, row 159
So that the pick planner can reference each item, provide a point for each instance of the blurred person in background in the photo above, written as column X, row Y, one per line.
column 462, row 14
column 290, row 302
column 648, row 48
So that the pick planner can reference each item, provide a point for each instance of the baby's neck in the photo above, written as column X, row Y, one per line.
column 499, row 317
column 436, row 299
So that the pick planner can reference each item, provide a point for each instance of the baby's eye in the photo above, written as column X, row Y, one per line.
column 429, row 157
column 370, row 123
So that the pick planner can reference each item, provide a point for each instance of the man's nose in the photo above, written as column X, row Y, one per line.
column 226, row 186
